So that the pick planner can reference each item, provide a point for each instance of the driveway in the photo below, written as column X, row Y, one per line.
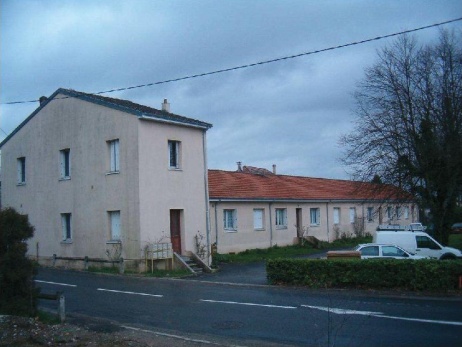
column 236, row 273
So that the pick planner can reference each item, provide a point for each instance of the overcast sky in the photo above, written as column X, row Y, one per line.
column 289, row 113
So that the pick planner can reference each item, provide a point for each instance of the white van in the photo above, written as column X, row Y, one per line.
column 417, row 242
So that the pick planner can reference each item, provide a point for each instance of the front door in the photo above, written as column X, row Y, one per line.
column 175, row 230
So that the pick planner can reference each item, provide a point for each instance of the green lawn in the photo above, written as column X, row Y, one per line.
column 254, row 255
column 455, row 240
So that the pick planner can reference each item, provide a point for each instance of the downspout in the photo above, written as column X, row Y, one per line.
column 216, row 224
column 271, row 225
column 328, row 223
column 207, row 201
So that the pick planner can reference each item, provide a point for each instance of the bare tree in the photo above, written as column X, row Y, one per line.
column 408, row 128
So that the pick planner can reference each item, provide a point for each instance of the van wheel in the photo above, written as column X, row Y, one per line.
column 448, row 257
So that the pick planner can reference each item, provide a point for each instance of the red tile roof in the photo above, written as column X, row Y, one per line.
column 235, row 185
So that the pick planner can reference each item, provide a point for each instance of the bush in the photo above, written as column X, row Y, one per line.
column 18, row 294
column 371, row 274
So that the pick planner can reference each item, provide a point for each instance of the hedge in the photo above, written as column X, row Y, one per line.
column 413, row 275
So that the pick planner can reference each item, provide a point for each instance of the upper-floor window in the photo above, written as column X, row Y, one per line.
column 174, row 148
column 315, row 216
column 114, row 155
column 336, row 215
column 258, row 219
column 370, row 214
column 352, row 214
column 66, row 227
column 65, row 163
column 229, row 219
column 281, row 217
column 114, row 219
column 21, row 162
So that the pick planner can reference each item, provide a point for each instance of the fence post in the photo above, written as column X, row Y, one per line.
column 121, row 266
column 86, row 263
column 54, row 260
column 62, row 307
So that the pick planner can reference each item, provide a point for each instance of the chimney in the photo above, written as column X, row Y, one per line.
column 274, row 169
column 239, row 167
column 166, row 106
column 42, row 99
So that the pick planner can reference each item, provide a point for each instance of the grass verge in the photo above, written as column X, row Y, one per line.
column 255, row 255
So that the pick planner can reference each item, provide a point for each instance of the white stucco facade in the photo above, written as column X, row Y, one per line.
column 141, row 191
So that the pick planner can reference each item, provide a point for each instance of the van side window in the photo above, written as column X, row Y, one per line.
column 426, row 242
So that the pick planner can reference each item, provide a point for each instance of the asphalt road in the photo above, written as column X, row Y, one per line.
column 254, row 314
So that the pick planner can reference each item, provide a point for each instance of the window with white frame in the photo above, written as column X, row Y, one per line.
column 336, row 215
column 281, row 218
column 114, row 156
column 390, row 212
column 352, row 214
column 370, row 214
column 315, row 216
column 65, row 163
column 21, row 164
column 114, row 220
column 66, row 227
column 398, row 212
column 406, row 212
column 174, row 148
column 230, row 220
column 258, row 219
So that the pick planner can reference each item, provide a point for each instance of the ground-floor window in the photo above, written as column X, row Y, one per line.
column 114, row 219
column 281, row 218
column 258, row 218
column 230, row 220
column 66, row 227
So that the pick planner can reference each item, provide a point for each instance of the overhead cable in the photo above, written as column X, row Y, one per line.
column 261, row 62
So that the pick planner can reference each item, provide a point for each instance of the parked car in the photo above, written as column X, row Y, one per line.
column 417, row 242
column 456, row 228
column 376, row 250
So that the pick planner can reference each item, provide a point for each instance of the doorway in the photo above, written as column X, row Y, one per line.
column 175, row 230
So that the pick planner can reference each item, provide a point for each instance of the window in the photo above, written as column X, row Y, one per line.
column 258, row 215
column 114, row 218
column 406, row 212
column 392, row 251
column 336, row 215
column 315, row 216
column 174, row 154
column 229, row 220
column 65, row 163
column 66, row 227
column 352, row 214
column 370, row 214
column 114, row 155
column 22, row 170
column 281, row 218
column 389, row 212
column 398, row 212
column 372, row 251
column 426, row 242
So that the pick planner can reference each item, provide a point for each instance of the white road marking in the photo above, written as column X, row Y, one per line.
column 58, row 284
column 132, row 293
column 381, row 315
column 342, row 311
column 246, row 303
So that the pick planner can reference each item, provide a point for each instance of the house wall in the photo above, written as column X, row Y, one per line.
column 246, row 237
column 90, row 193
column 163, row 189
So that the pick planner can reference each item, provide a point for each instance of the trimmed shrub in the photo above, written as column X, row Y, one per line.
column 17, row 290
column 371, row 274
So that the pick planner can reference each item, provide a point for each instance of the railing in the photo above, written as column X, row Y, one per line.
column 59, row 296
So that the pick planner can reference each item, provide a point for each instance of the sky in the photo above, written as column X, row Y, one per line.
column 291, row 113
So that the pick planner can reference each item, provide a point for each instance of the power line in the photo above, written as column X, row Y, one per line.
column 261, row 62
